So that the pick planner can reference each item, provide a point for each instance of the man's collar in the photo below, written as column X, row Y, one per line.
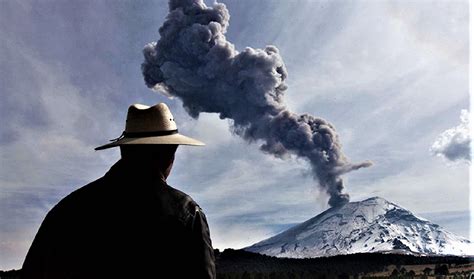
column 131, row 171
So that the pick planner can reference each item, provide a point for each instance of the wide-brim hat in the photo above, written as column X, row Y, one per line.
column 150, row 125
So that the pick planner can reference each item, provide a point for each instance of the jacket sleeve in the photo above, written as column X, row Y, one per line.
column 34, row 264
column 203, row 253
column 42, row 251
column 46, row 257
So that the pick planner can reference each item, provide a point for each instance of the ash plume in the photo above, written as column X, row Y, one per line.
column 193, row 61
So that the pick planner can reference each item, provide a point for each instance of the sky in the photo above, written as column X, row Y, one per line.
column 391, row 76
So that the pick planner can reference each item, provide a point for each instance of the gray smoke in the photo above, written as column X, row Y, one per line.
column 193, row 61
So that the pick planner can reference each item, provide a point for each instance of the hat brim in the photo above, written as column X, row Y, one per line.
column 168, row 139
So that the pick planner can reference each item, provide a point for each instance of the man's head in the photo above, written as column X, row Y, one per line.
column 153, row 157
column 150, row 126
column 150, row 139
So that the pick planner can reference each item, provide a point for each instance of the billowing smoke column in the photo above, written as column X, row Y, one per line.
column 194, row 62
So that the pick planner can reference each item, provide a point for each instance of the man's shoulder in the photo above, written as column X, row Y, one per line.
column 183, row 200
column 82, row 196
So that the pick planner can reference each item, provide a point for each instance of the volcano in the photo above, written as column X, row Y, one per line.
column 372, row 225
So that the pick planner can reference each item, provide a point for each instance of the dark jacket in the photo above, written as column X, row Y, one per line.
column 124, row 224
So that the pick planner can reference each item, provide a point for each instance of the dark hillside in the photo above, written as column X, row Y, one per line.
column 238, row 264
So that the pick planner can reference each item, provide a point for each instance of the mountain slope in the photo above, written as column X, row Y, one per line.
column 372, row 225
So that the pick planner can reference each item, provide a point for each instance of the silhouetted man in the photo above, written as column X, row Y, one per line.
column 129, row 223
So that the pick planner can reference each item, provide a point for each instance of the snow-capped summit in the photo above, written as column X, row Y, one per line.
column 372, row 225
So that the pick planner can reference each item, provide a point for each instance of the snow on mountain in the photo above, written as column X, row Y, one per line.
column 372, row 225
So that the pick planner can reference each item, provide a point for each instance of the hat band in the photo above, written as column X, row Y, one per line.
column 145, row 134
column 149, row 134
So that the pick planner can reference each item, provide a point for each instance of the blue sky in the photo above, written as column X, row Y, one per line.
column 391, row 76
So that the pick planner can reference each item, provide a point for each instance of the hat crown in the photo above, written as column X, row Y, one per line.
column 142, row 118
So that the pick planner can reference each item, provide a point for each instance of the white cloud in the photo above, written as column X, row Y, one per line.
column 419, row 190
column 454, row 144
